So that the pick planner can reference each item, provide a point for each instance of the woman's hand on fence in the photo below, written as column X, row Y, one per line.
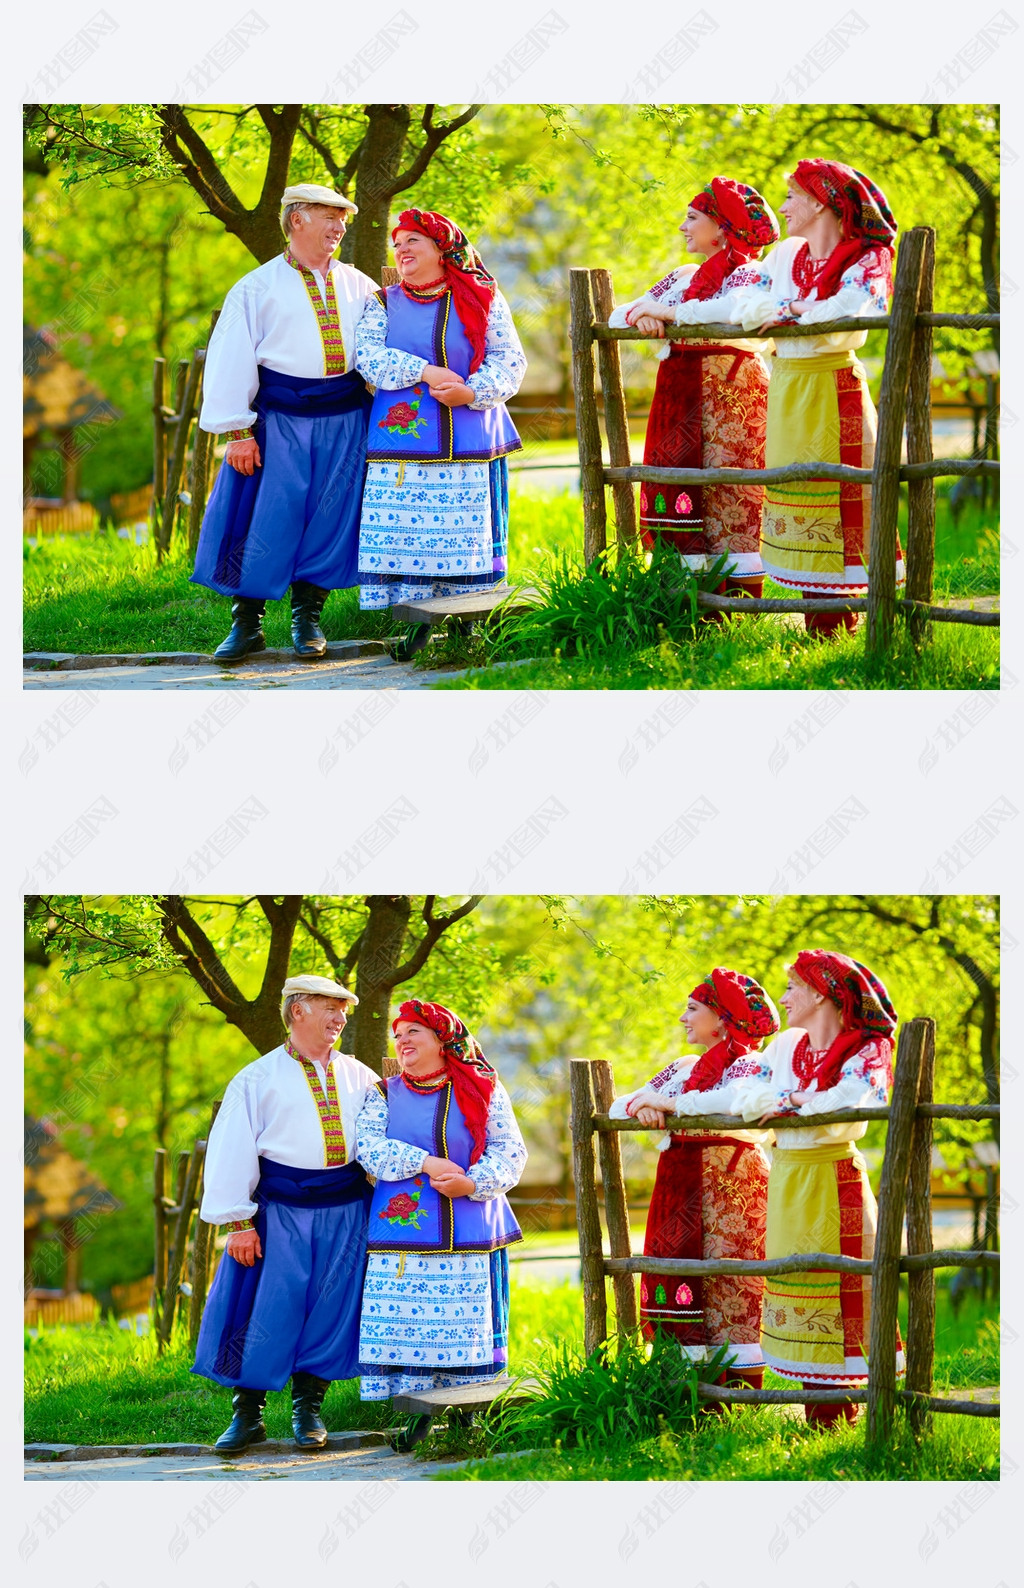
column 243, row 456
column 453, row 1185
column 650, row 325
column 244, row 1245
column 435, row 1168
column 651, row 1116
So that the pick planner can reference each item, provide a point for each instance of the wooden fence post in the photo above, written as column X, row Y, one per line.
column 159, row 1233
column 616, row 1208
column 184, row 408
column 588, row 1219
column 159, row 443
column 202, row 1247
column 892, row 1196
column 616, row 420
column 176, row 1259
column 921, row 493
column 921, row 1284
column 588, row 430
column 885, row 484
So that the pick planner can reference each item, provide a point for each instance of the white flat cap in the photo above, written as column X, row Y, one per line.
column 313, row 193
column 318, row 986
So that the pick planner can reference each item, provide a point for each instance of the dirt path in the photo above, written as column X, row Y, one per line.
column 355, row 1462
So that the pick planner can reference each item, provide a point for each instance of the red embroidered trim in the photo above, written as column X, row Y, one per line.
column 327, row 1107
column 239, row 435
column 326, row 316
column 240, row 1224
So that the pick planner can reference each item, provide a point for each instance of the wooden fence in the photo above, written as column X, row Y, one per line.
column 905, row 398
column 174, row 462
column 905, row 1189
column 179, row 1249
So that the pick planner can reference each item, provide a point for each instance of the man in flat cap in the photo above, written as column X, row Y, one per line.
column 280, row 387
column 281, row 1175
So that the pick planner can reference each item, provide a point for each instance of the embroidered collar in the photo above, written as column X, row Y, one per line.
column 326, row 314
column 327, row 1106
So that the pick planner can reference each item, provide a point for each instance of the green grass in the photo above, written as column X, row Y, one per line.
column 97, row 1384
column 102, row 594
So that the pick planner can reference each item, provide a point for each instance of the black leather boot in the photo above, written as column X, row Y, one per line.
column 246, row 637
column 308, row 1393
column 307, row 636
column 246, row 1426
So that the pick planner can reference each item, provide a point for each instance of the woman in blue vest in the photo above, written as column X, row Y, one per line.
column 443, row 354
column 442, row 1142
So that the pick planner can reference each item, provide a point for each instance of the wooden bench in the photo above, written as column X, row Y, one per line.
column 422, row 1408
column 437, row 608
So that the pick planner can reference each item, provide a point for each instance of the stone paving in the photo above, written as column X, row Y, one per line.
column 352, row 1458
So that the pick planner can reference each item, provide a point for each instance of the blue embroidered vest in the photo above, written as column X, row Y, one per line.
column 410, row 424
column 408, row 1215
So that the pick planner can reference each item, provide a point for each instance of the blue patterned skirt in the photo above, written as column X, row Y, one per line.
column 432, row 529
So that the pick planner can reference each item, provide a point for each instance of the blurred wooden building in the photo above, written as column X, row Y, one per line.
column 62, row 1200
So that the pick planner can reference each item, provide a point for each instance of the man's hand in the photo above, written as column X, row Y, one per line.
column 453, row 1185
column 435, row 1168
column 244, row 1245
column 243, row 456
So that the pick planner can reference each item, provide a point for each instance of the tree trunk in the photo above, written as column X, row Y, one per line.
column 365, row 245
column 379, row 959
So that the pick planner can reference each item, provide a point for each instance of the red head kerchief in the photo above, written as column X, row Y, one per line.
column 747, row 1014
column 748, row 224
column 859, row 996
column 472, row 285
column 471, row 1076
column 867, row 221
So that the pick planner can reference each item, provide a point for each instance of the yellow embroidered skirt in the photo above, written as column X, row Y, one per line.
column 815, row 533
column 815, row 1324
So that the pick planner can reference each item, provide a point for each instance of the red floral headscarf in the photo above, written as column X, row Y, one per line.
column 859, row 996
column 747, row 1013
column 867, row 221
column 471, row 1076
column 472, row 285
column 748, row 224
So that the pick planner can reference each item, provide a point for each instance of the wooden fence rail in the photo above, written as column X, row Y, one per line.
column 181, row 1247
column 904, row 402
column 905, row 1190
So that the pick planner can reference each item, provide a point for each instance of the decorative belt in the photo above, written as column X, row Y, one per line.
column 311, row 1188
column 317, row 398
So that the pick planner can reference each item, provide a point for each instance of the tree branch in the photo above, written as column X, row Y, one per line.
column 435, row 136
column 188, row 940
column 436, row 928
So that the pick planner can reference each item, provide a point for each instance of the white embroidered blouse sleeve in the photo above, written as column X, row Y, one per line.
column 729, row 1098
column 862, row 1083
column 501, row 1164
column 754, row 306
column 379, row 1154
column 387, row 368
column 231, row 375
column 863, row 291
column 232, row 1166
column 504, row 363
column 729, row 305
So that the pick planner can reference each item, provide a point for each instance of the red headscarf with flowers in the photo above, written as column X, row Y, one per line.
column 863, row 211
column 471, row 1076
column 749, row 227
column 863, row 1004
column 471, row 285
column 745, row 1010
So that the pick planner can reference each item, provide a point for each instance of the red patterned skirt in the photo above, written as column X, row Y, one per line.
column 710, row 410
column 710, row 1201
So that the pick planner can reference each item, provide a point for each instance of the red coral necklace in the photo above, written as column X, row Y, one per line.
column 426, row 1083
column 807, row 271
column 426, row 291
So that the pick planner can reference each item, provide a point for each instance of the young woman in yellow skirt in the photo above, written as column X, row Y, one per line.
column 836, row 1053
column 835, row 263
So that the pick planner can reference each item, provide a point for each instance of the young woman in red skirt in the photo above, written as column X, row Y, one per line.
column 711, row 399
column 711, row 1190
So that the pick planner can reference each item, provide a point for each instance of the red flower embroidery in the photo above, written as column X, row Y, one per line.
column 399, row 414
column 683, row 503
column 400, row 1206
column 405, row 1209
column 684, row 1295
